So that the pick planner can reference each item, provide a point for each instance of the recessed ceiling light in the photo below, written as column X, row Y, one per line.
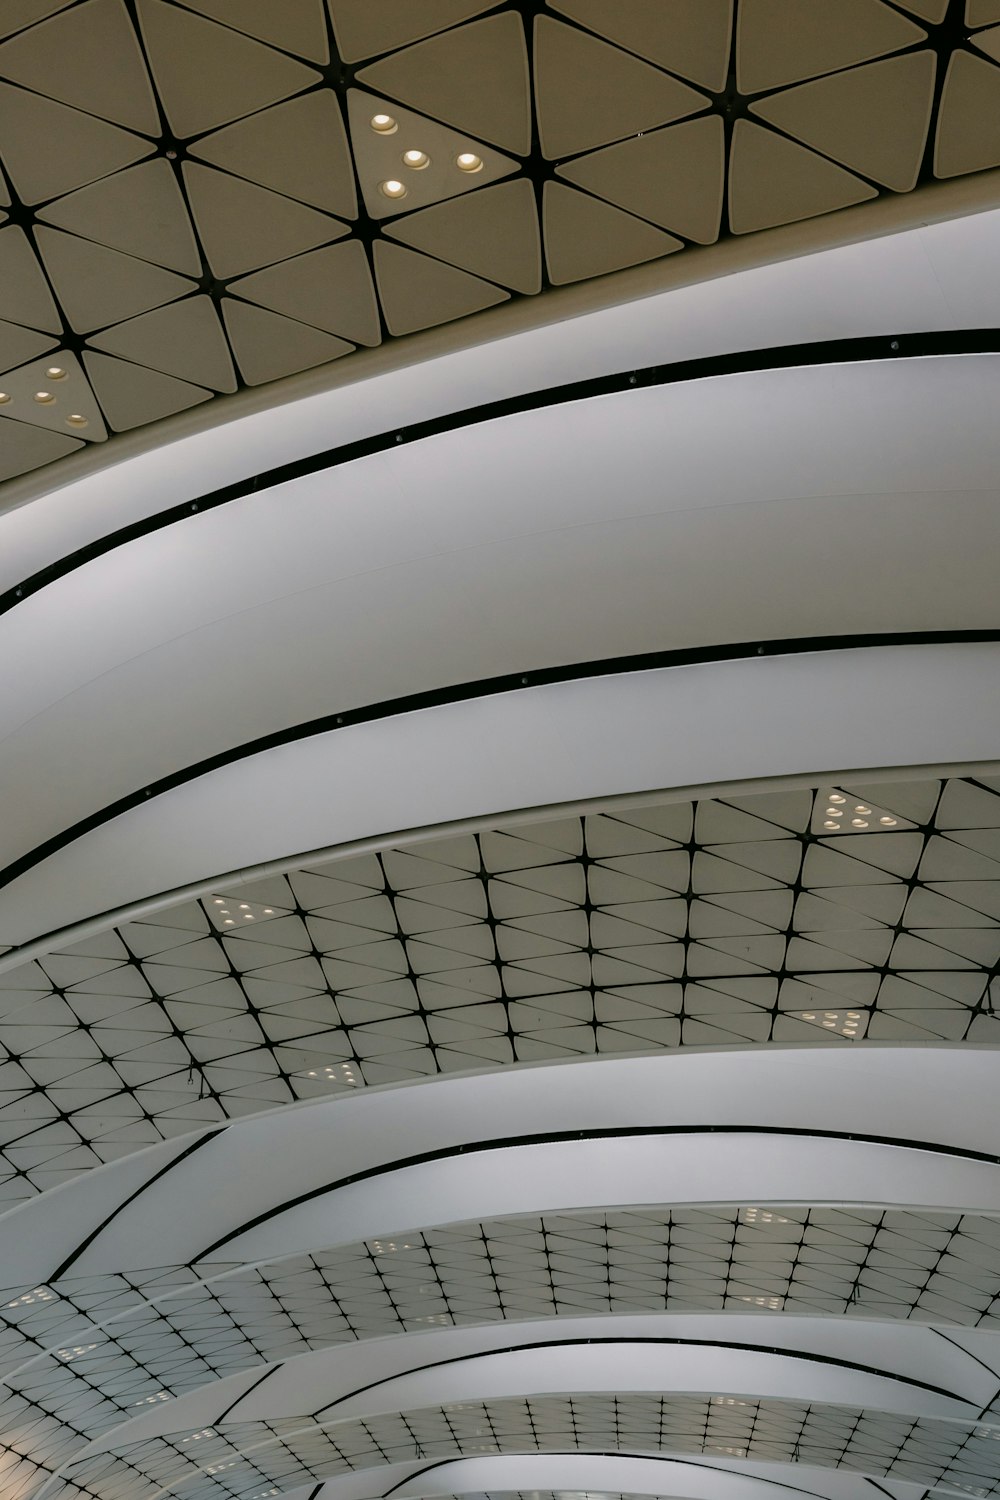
column 416, row 159
column 859, row 822
column 861, row 808
column 44, row 398
column 468, row 161
column 837, row 797
column 56, row 372
column 835, row 812
column 219, row 900
column 384, row 125
column 4, row 398
column 392, row 188
column 888, row 822
column 831, row 824
column 76, row 419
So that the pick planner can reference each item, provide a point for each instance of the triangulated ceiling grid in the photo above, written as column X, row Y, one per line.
column 198, row 200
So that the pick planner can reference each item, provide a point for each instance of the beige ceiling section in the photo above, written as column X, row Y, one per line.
column 184, row 339
column 97, row 286
column 367, row 28
column 19, row 344
column 268, row 346
column 784, row 41
column 243, row 226
column 88, row 148
column 475, row 78
column 207, row 74
column 297, row 26
column 968, row 134
column 588, row 93
column 689, row 37
column 53, row 393
column 926, row 10
column 417, row 292
column 298, row 148
column 140, row 211
column 88, row 57
column 673, row 177
column 492, row 234
column 132, row 395
column 16, row 14
column 982, row 12
column 775, row 181
column 330, row 289
column 24, row 292
column 379, row 155
column 586, row 237
column 989, row 42
column 23, row 448
column 873, row 119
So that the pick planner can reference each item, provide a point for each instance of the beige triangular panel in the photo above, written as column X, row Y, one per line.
column 782, row 41
column 982, row 12
column 19, row 344
column 417, row 292
column 968, row 131
column 24, row 292
column 926, row 10
column 49, row 148
column 588, row 93
column 268, row 346
column 16, row 14
column 989, row 42
column 475, row 77
column 330, row 288
column 140, row 211
column 379, row 157
column 775, row 181
column 98, row 286
column 586, row 237
column 299, row 148
column 23, row 448
column 132, row 395
column 367, row 28
column 207, row 74
column 673, row 177
column 88, row 57
column 4, row 192
column 297, row 26
column 54, row 393
column 243, row 226
column 184, row 339
column 873, row 119
column 689, row 37
column 493, row 234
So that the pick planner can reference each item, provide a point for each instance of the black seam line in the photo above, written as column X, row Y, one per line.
column 483, row 688
column 604, row 1133
column 787, row 356
column 248, row 1392
column 619, row 1339
column 981, row 1362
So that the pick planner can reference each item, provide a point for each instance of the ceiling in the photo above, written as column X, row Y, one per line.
column 193, row 198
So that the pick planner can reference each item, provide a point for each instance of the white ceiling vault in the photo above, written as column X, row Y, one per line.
column 199, row 196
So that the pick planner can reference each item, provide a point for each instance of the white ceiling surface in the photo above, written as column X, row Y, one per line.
column 720, row 723
column 937, row 277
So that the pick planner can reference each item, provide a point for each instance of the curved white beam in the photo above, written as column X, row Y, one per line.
column 780, row 1125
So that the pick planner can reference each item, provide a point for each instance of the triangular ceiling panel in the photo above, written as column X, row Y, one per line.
column 243, row 227
column 140, row 211
column 184, row 339
column 268, row 346
column 88, row 148
column 689, row 37
column 367, row 28
column 53, row 393
column 493, row 234
column 783, row 41
column 89, row 57
column 775, row 181
column 989, row 42
column 132, row 395
column 380, row 158
column 873, row 119
column 330, row 288
column 24, row 448
column 97, row 286
column 17, row 345
column 299, row 148
column 417, row 292
column 474, row 77
column 586, row 237
column 588, row 93
column 208, row 74
column 297, row 26
column 24, row 292
column 926, row 10
column 672, row 177
column 982, row 12
column 15, row 15
column 968, row 130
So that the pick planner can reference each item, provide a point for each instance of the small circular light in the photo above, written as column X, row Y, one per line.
column 392, row 189
column 807, row 1015
column 837, row 797
column 417, row 160
column 859, row 822
column 384, row 125
column 854, row 1015
column 244, row 906
column 219, row 900
column 76, row 419
column 888, row 822
column 4, row 398
column 831, row 824
column 45, row 398
column 230, row 921
column 468, row 161
column 861, row 808
column 56, row 372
